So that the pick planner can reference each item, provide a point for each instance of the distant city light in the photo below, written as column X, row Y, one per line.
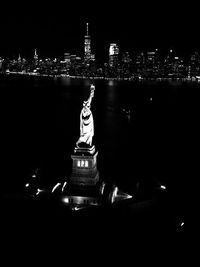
column 151, row 98
column 27, row 185
column 113, row 49
column 182, row 224
column 33, row 176
column 163, row 187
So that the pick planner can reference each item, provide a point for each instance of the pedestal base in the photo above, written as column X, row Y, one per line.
column 84, row 150
column 84, row 168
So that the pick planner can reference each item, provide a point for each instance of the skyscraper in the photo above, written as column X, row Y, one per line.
column 36, row 57
column 113, row 55
column 87, row 45
column 67, row 59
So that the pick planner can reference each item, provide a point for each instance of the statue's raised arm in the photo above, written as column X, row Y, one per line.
column 86, row 122
column 92, row 88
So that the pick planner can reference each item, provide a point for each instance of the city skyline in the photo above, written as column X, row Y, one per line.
column 56, row 30
column 102, row 52
column 120, row 64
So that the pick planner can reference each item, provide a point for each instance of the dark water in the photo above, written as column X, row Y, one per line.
column 40, row 125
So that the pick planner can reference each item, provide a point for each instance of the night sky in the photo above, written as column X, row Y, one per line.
column 56, row 28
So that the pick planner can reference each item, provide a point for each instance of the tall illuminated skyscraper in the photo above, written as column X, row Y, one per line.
column 113, row 55
column 19, row 58
column 36, row 57
column 87, row 45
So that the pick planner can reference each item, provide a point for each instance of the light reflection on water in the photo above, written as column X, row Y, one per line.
column 111, row 94
column 112, row 82
column 65, row 81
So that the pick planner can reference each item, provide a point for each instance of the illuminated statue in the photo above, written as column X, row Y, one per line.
column 86, row 121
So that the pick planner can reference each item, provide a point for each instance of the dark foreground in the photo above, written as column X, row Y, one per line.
column 149, row 225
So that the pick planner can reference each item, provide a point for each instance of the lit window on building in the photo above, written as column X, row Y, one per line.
column 82, row 163
column 78, row 163
column 86, row 163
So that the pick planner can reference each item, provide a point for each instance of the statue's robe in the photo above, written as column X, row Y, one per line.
column 86, row 127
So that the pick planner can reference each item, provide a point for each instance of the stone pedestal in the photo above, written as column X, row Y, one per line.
column 84, row 166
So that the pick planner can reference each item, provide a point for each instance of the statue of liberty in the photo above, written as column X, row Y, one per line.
column 86, row 122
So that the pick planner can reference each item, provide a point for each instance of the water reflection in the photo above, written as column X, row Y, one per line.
column 112, row 83
column 110, row 115
column 87, row 82
column 65, row 81
column 111, row 94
